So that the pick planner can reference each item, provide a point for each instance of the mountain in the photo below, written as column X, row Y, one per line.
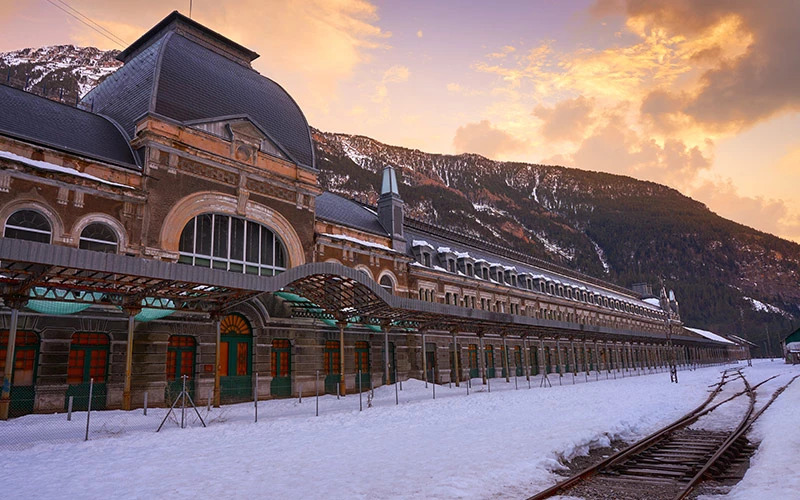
column 59, row 72
column 728, row 277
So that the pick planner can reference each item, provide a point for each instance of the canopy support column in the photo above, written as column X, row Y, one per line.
column 5, row 397
column 217, row 361
column 126, row 392
column 505, row 358
column 386, row 373
column 342, row 385
column 456, row 377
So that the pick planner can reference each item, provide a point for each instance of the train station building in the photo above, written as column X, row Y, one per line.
column 173, row 224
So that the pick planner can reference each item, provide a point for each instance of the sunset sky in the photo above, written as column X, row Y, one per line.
column 701, row 95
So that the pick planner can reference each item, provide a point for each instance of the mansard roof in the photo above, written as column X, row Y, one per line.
column 334, row 208
column 186, row 72
column 37, row 120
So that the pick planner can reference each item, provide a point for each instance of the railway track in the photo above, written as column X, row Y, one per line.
column 673, row 461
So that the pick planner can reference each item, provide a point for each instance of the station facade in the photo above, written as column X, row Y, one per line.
column 172, row 224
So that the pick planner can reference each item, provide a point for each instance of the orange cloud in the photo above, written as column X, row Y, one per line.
column 567, row 120
column 484, row 139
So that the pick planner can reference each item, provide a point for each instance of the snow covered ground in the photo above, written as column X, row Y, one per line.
column 503, row 444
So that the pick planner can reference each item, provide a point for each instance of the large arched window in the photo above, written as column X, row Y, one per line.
column 231, row 243
column 98, row 237
column 28, row 225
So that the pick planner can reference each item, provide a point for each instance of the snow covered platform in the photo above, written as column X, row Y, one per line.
column 503, row 444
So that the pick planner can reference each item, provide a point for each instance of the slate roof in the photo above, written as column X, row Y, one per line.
column 334, row 208
column 48, row 123
column 178, row 77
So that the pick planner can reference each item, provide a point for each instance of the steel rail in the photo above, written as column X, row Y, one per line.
column 732, row 437
column 740, row 431
column 648, row 441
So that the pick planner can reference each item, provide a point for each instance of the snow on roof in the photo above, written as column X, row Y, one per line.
column 463, row 255
column 652, row 301
column 43, row 165
column 709, row 335
column 421, row 243
column 359, row 241
column 444, row 250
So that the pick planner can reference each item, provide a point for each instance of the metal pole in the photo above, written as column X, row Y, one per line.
column 456, row 360
column 255, row 397
column 217, row 364
column 183, row 403
column 316, row 387
column 210, row 397
column 126, row 393
column 69, row 409
column 145, row 403
column 526, row 359
column 505, row 359
column 342, row 385
column 386, row 353
column 5, row 394
column 396, row 395
column 360, row 404
column 89, row 408
column 433, row 381
column 424, row 361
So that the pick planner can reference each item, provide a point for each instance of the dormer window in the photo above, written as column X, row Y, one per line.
column 451, row 265
column 485, row 273
column 470, row 271
column 426, row 259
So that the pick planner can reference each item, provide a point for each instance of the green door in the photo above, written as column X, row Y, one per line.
column 548, row 366
column 430, row 361
column 591, row 359
column 489, row 355
column 331, row 365
column 534, row 361
column 181, row 351
column 88, row 359
column 518, row 361
column 23, row 374
column 236, row 359
column 566, row 360
column 474, row 371
column 281, row 385
column 392, row 364
column 362, row 364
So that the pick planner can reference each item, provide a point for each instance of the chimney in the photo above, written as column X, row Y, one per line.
column 390, row 209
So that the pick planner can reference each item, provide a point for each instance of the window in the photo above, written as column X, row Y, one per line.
column 88, row 357
column 426, row 259
column 387, row 284
column 28, row 225
column 486, row 274
column 233, row 244
column 331, row 361
column 180, row 357
column 98, row 237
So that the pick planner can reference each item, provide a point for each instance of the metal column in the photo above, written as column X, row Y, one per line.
column 126, row 392
column 342, row 385
column 5, row 395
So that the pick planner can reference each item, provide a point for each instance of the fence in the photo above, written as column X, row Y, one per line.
column 83, row 424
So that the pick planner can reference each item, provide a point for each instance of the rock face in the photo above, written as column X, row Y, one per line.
column 728, row 277
column 59, row 72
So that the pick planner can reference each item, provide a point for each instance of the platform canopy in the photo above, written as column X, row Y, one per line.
column 329, row 291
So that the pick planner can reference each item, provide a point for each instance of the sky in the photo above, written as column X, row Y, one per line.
column 701, row 96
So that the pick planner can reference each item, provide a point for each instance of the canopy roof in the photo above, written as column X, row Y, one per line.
column 333, row 291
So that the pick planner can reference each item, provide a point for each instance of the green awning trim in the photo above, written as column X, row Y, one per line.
column 310, row 306
column 74, row 302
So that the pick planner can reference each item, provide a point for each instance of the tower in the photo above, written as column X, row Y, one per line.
column 390, row 209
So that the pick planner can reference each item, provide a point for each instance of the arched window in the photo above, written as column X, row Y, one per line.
column 233, row 244
column 98, row 237
column 386, row 284
column 28, row 225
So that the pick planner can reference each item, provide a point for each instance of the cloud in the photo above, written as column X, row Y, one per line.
column 770, row 215
column 419, row 34
column 503, row 52
column 395, row 74
column 484, row 139
column 309, row 47
column 567, row 120
column 734, row 92
column 613, row 146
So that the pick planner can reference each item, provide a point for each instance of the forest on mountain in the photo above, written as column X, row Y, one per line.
column 728, row 277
